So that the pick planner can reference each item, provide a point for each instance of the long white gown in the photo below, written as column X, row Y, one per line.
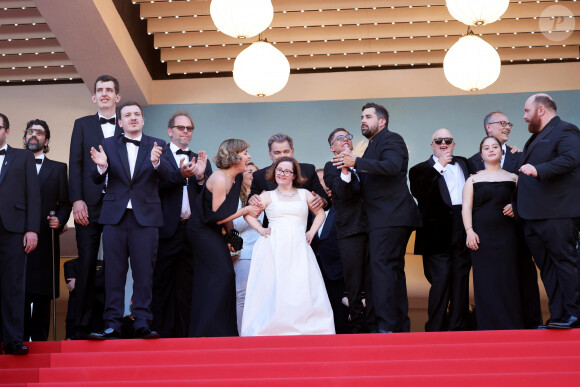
column 285, row 294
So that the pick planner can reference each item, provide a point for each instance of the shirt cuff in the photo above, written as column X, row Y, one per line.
column 346, row 178
column 101, row 169
column 156, row 165
column 439, row 168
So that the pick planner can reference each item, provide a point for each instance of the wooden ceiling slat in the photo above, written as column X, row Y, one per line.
column 20, row 16
column 56, row 59
column 30, row 46
column 38, row 73
column 25, row 31
column 17, row 4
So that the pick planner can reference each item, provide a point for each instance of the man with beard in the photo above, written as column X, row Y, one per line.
column 547, row 200
column 52, row 178
column 391, row 211
column 19, row 226
column 498, row 125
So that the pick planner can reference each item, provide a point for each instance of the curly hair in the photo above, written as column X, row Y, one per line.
column 243, row 192
column 44, row 125
column 227, row 154
column 298, row 179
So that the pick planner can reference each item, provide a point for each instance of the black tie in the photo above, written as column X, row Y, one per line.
column 126, row 140
column 38, row 161
column 2, row 152
column 104, row 120
column 452, row 161
column 183, row 152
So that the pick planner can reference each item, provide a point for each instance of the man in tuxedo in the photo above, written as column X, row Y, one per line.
column 498, row 125
column 131, row 216
column 173, row 274
column 547, row 200
column 19, row 227
column 282, row 145
column 41, row 263
column 391, row 211
column 352, row 237
column 437, row 184
column 86, row 196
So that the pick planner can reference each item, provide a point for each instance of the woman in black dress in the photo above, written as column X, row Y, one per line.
column 213, row 310
column 492, row 238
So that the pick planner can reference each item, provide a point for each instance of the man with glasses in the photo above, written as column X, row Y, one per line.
column 391, row 211
column 497, row 124
column 352, row 237
column 54, row 213
column 173, row 273
column 19, row 227
column 437, row 184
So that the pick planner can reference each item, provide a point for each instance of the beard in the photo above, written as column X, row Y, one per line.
column 34, row 146
column 534, row 125
column 368, row 131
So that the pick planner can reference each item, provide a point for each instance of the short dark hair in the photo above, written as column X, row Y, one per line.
column 179, row 113
column 487, row 119
column 298, row 180
column 5, row 121
column 331, row 136
column 227, row 154
column 546, row 101
column 280, row 137
column 485, row 138
column 380, row 110
column 107, row 78
column 44, row 125
column 128, row 103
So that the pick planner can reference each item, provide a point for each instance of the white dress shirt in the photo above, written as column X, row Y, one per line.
column 5, row 147
column 454, row 179
column 38, row 166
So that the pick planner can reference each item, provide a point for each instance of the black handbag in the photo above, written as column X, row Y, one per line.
column 234, row 239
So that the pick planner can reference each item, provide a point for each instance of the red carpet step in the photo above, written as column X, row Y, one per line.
column 500, row 358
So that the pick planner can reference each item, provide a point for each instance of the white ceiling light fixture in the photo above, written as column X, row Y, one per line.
column 242, row 19
column 471, row 64
column 477, row 12
column 261, row 69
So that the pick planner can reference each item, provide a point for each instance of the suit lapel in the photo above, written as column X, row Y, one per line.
column 463, row 167
column 543, row 134
column 442, row 184
column 8, row 158
column 45, row 171
column 98, row 129
column 123, row 155
column 141, row 154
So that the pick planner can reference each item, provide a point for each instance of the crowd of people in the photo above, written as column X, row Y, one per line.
column 286, row 249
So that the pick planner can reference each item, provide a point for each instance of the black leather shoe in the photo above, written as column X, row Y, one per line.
column 145, row 333
column 107, row 334
column 16, row 349
column 544, row 326
column 565, row 323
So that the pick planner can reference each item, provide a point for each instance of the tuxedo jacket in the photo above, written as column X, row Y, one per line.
column 87, row 133
column 52, row 179
column 429, row 188
column 511, row 163
column 19, row 192
column 555, row 193
column 171, row 193
column 142, row 188
column 327, row 248
column 383, row 174
column 347, row 201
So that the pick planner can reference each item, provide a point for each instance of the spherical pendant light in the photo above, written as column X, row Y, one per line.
column 477, row 12
column 241, row 18
column 471, row 64
column 261, row 70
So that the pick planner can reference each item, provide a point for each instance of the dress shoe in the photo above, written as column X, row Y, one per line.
column 16, row 349
column 544, row 326
column 145, row 333
column 107, row 334
column 565, row 323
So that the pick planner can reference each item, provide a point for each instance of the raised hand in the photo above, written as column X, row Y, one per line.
column 156, row 153
column 201, row 165
column 187, row 169
column 99, row 157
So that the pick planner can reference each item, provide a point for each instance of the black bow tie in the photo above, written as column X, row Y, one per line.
column 452, row 161
column 38, row 161
column 104, row 120
column 126, row 140
column 2, row 152
column 183, row 152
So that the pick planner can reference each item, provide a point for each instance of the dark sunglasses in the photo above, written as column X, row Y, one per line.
column 181, row 128
column 447, row 140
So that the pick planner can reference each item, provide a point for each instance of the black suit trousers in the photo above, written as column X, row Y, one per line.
column 37, row 317
column 387, row 249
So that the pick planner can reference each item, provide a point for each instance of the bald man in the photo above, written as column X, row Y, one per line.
column 547, row 200
column 437, row 184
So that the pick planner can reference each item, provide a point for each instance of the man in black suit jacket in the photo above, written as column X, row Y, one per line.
column 352, row 237
column 391, row 211
column 19, row 227
column 498, row 125
column 282, row 145
column 86, row 196
column 437, row 184
column 547, row 200
column 131, row 215
column 40, row 265
column 173, row 274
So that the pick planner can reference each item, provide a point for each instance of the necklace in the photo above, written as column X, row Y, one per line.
column 287, row 195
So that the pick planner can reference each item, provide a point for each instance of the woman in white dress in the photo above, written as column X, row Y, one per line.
column 250, row 236
column 285, row 294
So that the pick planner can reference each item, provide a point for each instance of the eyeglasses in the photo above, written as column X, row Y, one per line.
column 503, row 124
column 181, row 128
column 285, row 172
column 38, row 132
column 343, row 137
column 446, row 140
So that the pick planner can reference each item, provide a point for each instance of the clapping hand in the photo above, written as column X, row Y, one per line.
column 156, row 153
column 201, row 165
column 99, row 157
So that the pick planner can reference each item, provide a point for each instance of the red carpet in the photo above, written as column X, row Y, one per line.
column 501, row 358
